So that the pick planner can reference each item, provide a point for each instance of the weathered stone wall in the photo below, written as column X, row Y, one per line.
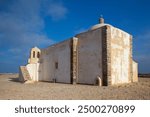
column 74, row 60
column 89, row 56
column 135, row 71
column 120, row 56
column 106, row 56
column 56, row 63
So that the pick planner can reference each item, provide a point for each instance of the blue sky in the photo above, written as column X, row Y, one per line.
column 28, row 23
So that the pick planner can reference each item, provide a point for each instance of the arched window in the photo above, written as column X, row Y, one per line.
column 33, row 54
column 38, row 55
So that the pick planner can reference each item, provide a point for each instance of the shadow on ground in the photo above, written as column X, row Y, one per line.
column 14, row 79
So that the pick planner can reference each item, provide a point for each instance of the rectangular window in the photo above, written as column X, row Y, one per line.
column 56, row 65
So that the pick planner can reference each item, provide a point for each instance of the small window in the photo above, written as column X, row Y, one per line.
column 38, row 55
column 56, row 65
column 33, row 54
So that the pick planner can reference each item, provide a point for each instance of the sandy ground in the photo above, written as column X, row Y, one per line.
column 10, row 88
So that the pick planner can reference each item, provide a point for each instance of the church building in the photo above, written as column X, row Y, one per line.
column 100, row 56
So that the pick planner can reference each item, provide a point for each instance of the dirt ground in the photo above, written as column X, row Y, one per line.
column 11, row 89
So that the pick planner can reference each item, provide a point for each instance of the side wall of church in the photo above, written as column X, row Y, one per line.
column 89, row 56
column 56, row 63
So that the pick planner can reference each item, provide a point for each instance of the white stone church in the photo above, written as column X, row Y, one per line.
column 102, row 55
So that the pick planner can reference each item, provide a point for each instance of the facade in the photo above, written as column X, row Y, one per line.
column 102, row 55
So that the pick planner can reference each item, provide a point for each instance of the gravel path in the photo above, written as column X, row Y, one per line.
column 10, row 88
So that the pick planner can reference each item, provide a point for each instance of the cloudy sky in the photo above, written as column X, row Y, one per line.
column 28, row 23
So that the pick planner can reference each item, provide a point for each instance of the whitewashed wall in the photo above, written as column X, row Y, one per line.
column 60, row 53
column 33, row 70
column 89, row 56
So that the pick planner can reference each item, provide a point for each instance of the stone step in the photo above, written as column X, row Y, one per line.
column 25, row 73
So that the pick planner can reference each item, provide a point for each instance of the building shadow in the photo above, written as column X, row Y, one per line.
column 14, row 79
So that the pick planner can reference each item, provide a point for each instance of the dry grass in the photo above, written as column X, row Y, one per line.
column 10, row 88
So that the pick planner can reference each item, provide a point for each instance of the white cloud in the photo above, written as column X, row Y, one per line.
column 22, row 18
column 142, row 58
column 57, row 11
column 80, row 30
column 144, row 35
column 22, row 24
